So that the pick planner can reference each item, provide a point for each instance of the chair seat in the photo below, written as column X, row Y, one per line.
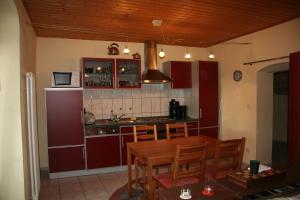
column 166, row 180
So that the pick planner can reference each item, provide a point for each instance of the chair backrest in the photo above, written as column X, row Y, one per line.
column 144, row 132
column 228, row 155
column 176, row 130
column 189, row 161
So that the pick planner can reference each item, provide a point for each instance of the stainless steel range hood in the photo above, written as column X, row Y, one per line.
column 152, row 74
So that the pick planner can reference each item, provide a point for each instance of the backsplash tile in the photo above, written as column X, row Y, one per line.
column 150, row 100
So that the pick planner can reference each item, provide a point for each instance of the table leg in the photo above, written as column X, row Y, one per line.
column 129, row 171
column 150, row 180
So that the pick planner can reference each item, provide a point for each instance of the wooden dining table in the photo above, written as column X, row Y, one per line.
column 161, row 152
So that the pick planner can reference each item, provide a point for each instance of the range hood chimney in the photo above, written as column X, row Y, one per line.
column 152, row 74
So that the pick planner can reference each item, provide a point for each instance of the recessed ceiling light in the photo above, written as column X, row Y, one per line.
column 157, row 22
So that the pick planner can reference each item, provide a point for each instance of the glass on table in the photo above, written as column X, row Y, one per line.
column 209, row 186
column 185, row 192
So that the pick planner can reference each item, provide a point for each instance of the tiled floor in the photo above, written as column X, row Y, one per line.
column 93, row 187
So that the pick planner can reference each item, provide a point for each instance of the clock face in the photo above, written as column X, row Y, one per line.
column 237, row 75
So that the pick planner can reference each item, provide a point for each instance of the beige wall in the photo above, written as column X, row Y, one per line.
column 28, row 52
column 65, row 54
column 239, row 99
column 11, row 153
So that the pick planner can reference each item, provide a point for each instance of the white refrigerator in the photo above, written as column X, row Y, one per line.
column 32, row 136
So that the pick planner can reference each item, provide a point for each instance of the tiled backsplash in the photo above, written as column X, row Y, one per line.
column 151, row 100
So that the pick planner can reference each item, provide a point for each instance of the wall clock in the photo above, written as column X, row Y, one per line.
column 237, row 75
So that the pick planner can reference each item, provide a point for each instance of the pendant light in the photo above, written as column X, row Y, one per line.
column 161, row 54
column 211, row 55
column 187, row 55
column 126, row 50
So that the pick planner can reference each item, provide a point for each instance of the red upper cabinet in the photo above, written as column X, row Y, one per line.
column 111, row 73
column 98, row 72
column 128, row 72
column 208, row 94
column 180, row 72
column 64, row 117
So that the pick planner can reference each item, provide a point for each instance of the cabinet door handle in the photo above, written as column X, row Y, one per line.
column 83, row 153
column 200, row 113
column 81, row 116
column 122, row 141
column 118, row 85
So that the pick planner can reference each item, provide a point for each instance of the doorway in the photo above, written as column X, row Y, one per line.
column 266, row 113
column 280, row 117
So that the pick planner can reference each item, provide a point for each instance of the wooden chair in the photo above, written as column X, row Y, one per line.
column 228, row 157
column 195, row 157
column 143, row 133
column 176, row 130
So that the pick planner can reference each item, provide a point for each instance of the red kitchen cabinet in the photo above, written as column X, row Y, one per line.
column 180, row 72
column 111, row 73
column 193, row 128
column 66, row 159
column 128, row 73
column 124, row 140
column 103, row 151
column 98, row 72
column 64, row 117
column 126, row 136
column 211, row 132
column 208, row 94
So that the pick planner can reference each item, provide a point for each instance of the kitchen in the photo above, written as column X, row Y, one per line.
column 237, row 99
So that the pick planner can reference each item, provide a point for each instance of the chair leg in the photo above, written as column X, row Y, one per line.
column 136, row 169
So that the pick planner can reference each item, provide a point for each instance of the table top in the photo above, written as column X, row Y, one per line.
column 166, row 148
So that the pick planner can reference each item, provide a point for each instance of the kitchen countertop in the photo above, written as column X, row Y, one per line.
column 105, row 123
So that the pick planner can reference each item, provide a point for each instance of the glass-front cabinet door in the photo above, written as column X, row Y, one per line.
column 98, row 72
column 128, row 73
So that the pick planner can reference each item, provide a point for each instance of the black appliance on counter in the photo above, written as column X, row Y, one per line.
column 177, row 111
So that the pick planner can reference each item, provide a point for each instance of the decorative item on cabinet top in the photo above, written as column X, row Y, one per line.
column 136, row 56
column 113, row 49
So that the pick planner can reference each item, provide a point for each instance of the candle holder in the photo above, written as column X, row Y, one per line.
column 185, row 192
column 209, row 187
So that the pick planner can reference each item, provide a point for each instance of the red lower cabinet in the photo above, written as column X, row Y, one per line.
column 66, row 159
column 211, row 132
column 103, row 151
column 124, row 140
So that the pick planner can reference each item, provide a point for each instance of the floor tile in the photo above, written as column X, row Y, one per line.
column 49, row 197
column 96, row 194
column 46, row 190
column 92, row 187
column 68, row 181
column 64, row 189
column 73, row 196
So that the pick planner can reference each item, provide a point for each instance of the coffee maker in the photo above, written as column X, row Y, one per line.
column 177, row 111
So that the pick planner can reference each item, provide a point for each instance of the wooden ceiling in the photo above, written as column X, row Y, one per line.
column 200, row 23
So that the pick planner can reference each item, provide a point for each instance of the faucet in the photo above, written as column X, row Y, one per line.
column 121, row 116
column 114, row 117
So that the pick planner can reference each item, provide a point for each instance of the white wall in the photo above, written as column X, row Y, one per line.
column 11, row 158
column 239, row 99
column 65, row 54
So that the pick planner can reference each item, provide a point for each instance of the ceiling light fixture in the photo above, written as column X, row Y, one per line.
column 187, row 55
column 126, row 50
column 161, row 53
column 211, row 55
